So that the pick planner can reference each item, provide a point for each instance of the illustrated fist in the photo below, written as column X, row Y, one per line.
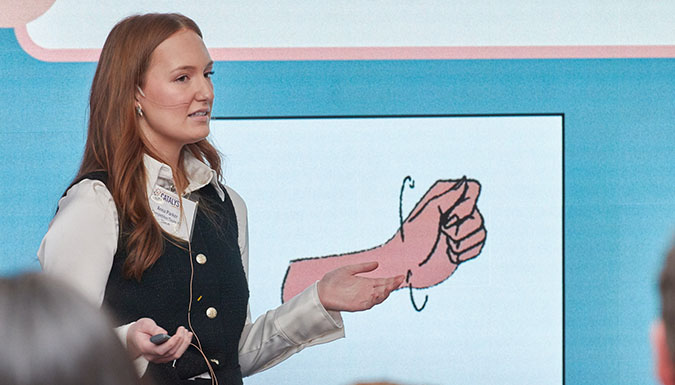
column 443, row 230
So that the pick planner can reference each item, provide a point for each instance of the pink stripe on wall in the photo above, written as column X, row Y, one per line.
column 375, row 53
column 412, row 53
column 53, row 55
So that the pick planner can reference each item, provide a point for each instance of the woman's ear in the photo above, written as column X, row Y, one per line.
column 664, row 365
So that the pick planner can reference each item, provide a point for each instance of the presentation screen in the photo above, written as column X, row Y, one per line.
column 328, row 188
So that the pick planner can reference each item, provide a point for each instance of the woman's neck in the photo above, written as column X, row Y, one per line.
column 171, row 158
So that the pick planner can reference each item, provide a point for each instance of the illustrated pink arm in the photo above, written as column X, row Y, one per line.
column 444, row 229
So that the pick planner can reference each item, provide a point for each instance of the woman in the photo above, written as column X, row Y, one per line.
column 147, row 229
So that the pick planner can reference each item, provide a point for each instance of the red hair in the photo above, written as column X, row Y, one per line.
column 115, row 143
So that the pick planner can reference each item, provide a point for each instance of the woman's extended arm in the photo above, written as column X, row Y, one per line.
column 304, row 320
column 291, row 327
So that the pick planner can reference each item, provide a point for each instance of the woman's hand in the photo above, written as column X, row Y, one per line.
column 343, row 290
column 138, row 342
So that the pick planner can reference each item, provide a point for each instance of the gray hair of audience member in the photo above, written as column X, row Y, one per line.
column 51, row 335
column 667, row 288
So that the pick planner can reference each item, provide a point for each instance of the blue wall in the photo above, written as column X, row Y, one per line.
column 619, row 153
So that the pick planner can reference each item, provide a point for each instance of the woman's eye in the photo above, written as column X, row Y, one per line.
column 208, row 74
column 182, row 78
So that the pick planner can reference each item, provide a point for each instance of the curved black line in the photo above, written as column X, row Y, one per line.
column 459, row 255
column 411, row 184
column 452, row 188
column 283, row 283
column 456, row 242
column 445, row 217
column 433, row 249
column 455, row 238
column 412, row 298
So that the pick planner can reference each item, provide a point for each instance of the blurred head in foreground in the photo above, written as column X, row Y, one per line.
column 663, row 332
column 51, row 335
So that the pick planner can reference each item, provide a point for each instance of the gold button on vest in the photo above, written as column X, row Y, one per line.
column 201, row 259
column 211, row 312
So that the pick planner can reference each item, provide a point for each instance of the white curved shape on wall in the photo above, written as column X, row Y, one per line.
column 377, row 29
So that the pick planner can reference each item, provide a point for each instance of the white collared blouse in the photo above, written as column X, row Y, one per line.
column 81, row 243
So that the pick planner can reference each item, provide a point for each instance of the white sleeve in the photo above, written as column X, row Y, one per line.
column 81, row 241
column 291, row 327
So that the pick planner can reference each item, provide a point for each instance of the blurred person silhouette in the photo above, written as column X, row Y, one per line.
column 52, row 335
column 663, row 331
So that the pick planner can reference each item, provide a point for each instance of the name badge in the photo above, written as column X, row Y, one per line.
column 166, row 207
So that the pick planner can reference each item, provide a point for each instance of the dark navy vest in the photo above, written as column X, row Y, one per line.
column 219, row 292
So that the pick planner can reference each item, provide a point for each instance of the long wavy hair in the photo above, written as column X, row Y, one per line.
column 115, row 143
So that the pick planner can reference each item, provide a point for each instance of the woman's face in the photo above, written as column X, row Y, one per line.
column 177, row 94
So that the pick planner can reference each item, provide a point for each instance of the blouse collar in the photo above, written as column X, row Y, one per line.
column 197, row 173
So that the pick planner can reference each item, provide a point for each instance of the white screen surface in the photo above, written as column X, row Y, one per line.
column 318, row 187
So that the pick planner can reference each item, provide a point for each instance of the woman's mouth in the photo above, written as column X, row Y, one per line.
column 199, row 113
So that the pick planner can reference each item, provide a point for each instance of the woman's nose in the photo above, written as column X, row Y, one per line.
column 205, row 90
